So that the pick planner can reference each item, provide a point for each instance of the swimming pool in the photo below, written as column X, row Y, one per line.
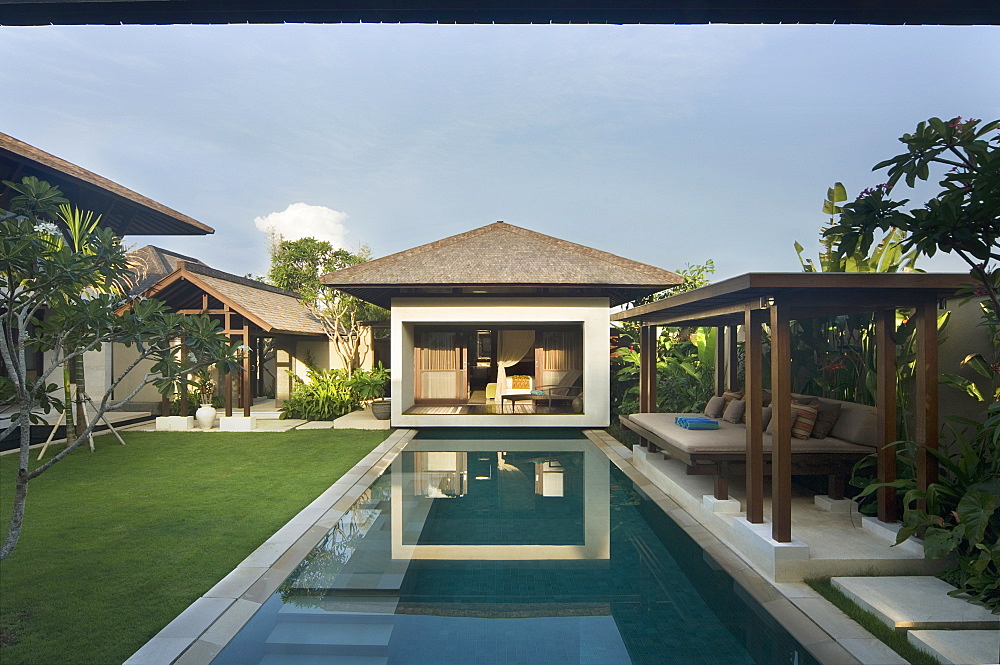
column 531, row 548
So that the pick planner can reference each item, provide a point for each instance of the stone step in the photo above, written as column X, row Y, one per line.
column 320, row 659
column 335, row 639
column 345, row 609
column 959, row 647
column 915, row 603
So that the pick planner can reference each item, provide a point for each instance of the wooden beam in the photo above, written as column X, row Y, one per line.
column 926, row 400
column 720, row 360
column 781, row 414
column 754, row 388
column 885, row 373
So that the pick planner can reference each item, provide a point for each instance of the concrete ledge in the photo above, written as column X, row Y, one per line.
column 783, row 562
column 720, row 505
column 833, row 505
column 887, row 532
column 958, row 647
column 174, row 423
column 915, row 602
column 237, row 423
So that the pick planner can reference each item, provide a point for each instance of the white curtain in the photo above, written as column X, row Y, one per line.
column 514, row 345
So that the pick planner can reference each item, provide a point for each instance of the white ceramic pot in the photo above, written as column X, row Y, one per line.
column 205, row 416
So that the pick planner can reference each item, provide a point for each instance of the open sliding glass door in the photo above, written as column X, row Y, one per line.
column 442, row 374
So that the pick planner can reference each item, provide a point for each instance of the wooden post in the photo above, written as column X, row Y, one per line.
column 926, row 402
column 755, row 398
column 720, row 360
column 885, row 369
column 247, row 394
column 647, row 369
column 732, row 359
column 228, row 377
column 781, row 414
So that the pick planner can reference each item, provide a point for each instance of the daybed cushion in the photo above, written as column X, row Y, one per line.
column 729, row 437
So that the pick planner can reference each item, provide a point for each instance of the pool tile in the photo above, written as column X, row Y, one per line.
column 159, row 651
column 200, row 653
column 227, row 625
column 236, row 583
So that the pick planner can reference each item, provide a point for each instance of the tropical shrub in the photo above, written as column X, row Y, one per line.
column 325, row 396
column 369, row 384
column 684, row 372
column 957, row 514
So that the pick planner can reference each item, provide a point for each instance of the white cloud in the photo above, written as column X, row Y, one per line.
column 301, row 220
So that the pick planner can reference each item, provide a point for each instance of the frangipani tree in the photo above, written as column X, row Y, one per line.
column 59, row 297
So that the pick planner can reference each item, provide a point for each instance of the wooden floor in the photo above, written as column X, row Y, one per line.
column 488, row 408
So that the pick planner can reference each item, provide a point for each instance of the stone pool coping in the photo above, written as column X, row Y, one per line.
column 200, row 632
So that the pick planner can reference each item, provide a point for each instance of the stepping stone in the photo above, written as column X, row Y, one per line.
column 959, row 647
column 915, row 603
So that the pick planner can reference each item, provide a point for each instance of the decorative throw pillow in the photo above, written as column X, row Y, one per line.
column 826, row 418
column 805, row 399
column 804, row 420
column 730, row 395
column 716, row 405
column 520, row 382
column 765, row 417
column 766, row 401
column 734, row 411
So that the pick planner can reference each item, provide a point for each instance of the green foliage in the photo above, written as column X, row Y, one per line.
column 297, row 265
column 369, row 384
column 684, row 372
column 684, row 356
column 957, row 515
column 59, row 294
column 325, row 395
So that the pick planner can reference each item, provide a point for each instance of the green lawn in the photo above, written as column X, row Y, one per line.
column 118, row 542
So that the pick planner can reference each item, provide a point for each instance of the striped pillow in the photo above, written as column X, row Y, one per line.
column 804, row 420
column 730, row 395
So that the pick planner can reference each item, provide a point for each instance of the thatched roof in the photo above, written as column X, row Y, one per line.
column 121, row 209
column 264, row 307
column 150, row 264
column 501, row 259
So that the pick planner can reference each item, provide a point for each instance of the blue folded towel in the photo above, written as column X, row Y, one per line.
column 696, row 422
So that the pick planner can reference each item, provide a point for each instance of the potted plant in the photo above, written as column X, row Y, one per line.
column 369, row 386
column 205, row 387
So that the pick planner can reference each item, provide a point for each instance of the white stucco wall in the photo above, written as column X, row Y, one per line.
column 592, row 313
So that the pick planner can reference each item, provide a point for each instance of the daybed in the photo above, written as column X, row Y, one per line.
column 722, row 452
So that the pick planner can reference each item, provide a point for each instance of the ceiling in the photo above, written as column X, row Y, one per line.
column 877, row 12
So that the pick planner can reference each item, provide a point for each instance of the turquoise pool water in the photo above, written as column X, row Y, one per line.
column 527, row 549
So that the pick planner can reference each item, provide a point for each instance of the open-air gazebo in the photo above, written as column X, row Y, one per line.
column 776, row 299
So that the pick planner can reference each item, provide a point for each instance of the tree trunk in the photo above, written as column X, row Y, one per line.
column 81, row 390
column 20, row 485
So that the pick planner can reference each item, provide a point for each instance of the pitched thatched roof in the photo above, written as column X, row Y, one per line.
column 121, row 209
column 151, row 264
column 272, row 310
column 502, row 259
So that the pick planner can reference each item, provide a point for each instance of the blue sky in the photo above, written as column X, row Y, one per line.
column 665, row 144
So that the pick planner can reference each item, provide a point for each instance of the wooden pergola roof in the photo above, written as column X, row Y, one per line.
column 886, row 12
column 807, row 295
column 122, row 210
column 501, row 259
column 776, row 299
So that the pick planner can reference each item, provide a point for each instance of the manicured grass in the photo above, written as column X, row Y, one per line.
column 118, row 542
column 895, row 641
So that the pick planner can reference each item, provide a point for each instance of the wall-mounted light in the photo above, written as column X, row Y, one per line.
column 766, row 301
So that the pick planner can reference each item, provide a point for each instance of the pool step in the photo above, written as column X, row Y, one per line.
column 359, row 638
column 319, row 659
column 349, row 609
